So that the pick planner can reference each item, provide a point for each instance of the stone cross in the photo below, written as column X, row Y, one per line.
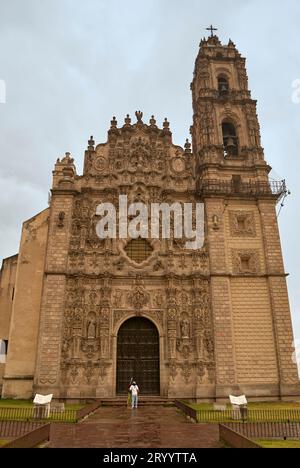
column 211, row 29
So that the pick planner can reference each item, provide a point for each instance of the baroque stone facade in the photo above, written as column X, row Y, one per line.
column 221, row 312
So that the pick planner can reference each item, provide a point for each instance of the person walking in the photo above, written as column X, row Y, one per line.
column 134, row 389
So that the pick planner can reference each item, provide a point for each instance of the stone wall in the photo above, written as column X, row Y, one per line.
column 23, row 335
column 7, row 292
column 252, row 320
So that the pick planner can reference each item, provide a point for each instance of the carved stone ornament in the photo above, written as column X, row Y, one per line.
column 178, row 165
column 138, row 298
column 246, row 261
column 172, row 370
column 118, row 316
column 242, row 224
column 185, row 348
column 186, row 371
column 61, row 219
column 100, row 164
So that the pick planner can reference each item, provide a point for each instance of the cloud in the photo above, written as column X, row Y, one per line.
column 69, row 66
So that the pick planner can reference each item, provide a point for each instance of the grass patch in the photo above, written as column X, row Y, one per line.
column 200, row 407
column 267, row 443
column 4, row 442
column 15, row 403
column 29, row 404
column 74, row 407
column 258, row 412
column 22, row 410
column 280, row 405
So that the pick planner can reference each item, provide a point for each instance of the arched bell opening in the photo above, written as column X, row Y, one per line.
column 230, row 139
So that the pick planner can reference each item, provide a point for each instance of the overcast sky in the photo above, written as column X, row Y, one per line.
column 70, row 65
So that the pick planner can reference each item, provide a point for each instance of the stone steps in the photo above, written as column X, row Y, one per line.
column 143, row 401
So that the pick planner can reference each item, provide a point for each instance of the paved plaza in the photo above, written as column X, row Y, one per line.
column 146, row 427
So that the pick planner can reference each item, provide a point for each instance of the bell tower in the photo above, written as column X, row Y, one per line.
column 252, row 321
column 225, row 132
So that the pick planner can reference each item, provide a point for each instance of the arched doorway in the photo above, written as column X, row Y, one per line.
column 138, row 356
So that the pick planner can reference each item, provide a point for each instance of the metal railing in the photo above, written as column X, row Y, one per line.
column 12, row 429
column 31, row 439
column 269, row 430
column 29, row 426
column 249, row 416
column 230, row 415
column 30, row 413
column 253, row 188
column 235, row 439
column 190, row 412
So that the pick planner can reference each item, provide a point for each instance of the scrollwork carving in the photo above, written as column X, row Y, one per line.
column 138, row 298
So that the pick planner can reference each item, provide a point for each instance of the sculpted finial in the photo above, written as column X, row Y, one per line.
column 127, row 120
column 139, row 116
column 153, row 121
column 91, row 143
column 114, row 123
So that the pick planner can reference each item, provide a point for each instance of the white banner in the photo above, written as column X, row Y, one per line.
column 42, row 399
column 238, row 401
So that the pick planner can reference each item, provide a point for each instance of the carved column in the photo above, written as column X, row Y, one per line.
column 199, row 332
column 172, row 332
column 172, row 320
column 104, row 331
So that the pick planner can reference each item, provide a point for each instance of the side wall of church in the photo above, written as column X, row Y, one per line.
column 289, row 379
column 7, row 290
column 23, row 332
column 252, row 321
column 53, row 299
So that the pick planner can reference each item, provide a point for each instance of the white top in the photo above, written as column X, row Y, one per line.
column 134, row 389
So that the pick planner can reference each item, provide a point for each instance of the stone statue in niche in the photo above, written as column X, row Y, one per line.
column 118, row 298
column 65, row 348
column 185, row 328
column 105, row 314
column 91, row 327
column 61, row 219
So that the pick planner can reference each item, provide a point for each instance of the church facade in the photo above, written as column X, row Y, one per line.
column 81, row 316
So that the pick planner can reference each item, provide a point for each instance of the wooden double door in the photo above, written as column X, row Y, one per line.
column 138, row 356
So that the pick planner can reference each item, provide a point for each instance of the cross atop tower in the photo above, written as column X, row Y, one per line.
column 211, row 29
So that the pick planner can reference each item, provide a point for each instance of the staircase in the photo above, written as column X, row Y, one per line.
column 143, row 401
